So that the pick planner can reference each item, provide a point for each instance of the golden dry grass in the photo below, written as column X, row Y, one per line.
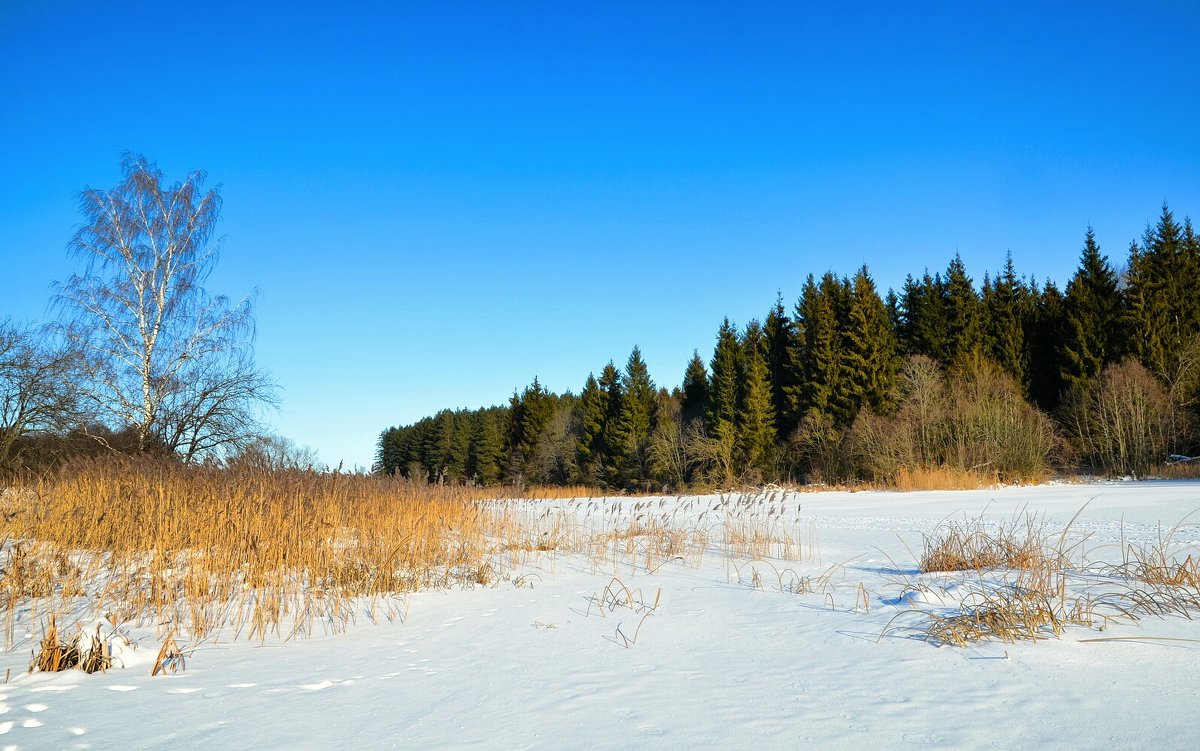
column 197, row 552
column 974, row 545
column 1028, row 587
column 201, row 548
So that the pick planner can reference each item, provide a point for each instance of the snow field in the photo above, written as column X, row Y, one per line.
column 737, row 644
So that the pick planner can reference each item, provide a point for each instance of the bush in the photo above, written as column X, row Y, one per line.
column 1124, row 422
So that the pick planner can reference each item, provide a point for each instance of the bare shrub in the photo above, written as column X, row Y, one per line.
column 974, row 422
column 1123, row 423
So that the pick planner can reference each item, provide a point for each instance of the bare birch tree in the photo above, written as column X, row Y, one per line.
column 162, row 356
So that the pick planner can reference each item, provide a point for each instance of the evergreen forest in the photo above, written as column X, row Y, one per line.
column 1009, row 378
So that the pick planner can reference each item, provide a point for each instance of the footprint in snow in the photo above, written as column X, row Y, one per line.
column 183, row 691
column 52, row 688
column 241, row 685
column 4, row 708
column 6, row 726
column 31, row 723
column 35, row 707
column 121, row 687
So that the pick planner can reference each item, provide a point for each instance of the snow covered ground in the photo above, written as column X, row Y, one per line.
column 710, row 651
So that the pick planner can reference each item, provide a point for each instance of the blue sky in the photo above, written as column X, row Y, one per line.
column 438, row 201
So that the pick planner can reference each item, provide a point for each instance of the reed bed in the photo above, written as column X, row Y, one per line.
column 200, row 549
column 202, row 553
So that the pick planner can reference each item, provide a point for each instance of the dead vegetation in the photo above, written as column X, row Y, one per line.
column 1024, row 584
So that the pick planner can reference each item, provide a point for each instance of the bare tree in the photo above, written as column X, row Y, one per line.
column 37, row 390
column 162, row 356
column 270, row 453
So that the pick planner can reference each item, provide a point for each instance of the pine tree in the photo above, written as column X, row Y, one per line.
column 1005, row 309
column 531, row 413
column 723, row 383
column 635, row 420
column 1043, row 342
column 1093, row 318
column 870, row 347
column 922, row 318
column 485, row 457
column 592, row 415
column 1163, row 284
column 817, row 324
column 783, row 367
column 755, row 441
column 962, row 309
column 694, row 394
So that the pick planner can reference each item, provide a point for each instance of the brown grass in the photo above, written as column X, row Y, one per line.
column 200, row 549
column 1029, row 589
column 974, row 545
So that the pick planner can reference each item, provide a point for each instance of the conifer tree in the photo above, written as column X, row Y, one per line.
column 922, row 318
column 820, row 358
column 962, row 313
column 530, row 414
column 593, row 413
column 755, row 440
column 635, row 420
column 1043, row 343
column 610, row 384
column 783, row 367
column 723, row 384
column 870, row 347
column 1093, row 318
column 1005, row 308
column 485, row 456
column 694, row 394
column 1163, row 284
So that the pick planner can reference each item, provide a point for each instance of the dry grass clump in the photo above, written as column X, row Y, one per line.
column 973, row 545
column 1048, row 593
column 56, row 655
column 1024, row 610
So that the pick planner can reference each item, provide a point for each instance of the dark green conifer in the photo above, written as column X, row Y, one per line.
column 635, row 420
column 1093, row 317
column 723, row 383
column 694, row 394
column 755, row 442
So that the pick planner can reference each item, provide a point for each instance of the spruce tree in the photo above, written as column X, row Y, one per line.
column 592, row 414
column 635, row 420
column 485, row 457
column 723, row 384
column 962, row 313
column 783, row 367
column 755, row 440
column 1092, row 318
column 1043, row 343
column 922, row 318
column 870, row 347
column 1163, row 284
column 694, row 394
column 531, row 413
column 820, row 358
column 1005, row 310
column 614, row 394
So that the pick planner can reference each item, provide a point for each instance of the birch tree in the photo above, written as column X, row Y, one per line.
column 162, row 356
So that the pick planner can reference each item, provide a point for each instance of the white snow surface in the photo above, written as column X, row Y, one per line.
column 720, row 663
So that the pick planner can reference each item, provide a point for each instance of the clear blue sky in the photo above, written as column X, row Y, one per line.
column 438, row 201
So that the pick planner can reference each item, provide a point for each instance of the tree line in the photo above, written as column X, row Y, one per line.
column 1011, row 378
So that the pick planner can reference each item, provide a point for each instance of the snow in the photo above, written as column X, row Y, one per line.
column 824, row 652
